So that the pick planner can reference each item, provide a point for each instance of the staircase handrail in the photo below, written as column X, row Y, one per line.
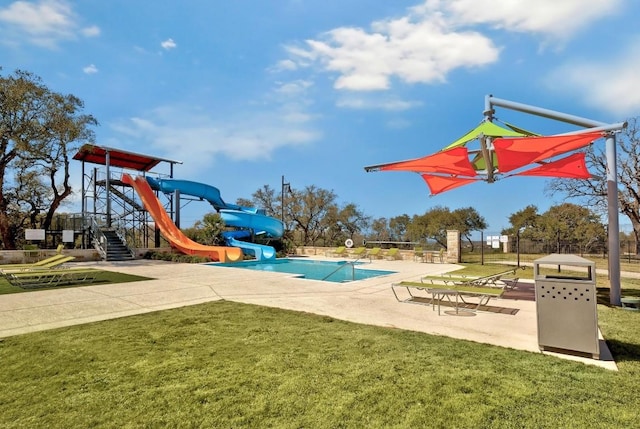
column 97, row 237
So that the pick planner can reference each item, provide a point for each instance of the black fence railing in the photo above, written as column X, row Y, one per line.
column 498, row 249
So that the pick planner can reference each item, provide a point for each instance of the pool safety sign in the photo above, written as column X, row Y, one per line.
column 495, row 240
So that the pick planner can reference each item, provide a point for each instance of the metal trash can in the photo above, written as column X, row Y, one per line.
column 566, row 304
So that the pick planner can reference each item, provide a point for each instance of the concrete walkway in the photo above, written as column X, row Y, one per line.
column 368, row 301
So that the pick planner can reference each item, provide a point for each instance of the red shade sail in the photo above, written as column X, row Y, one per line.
column 439, row 184
column 514, row 153
column 571, row 167
column 452, row 161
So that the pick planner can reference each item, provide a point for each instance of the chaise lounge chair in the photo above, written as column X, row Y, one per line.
column 340, row 251
column 359, row 252
column 491, row 280
column 482, row 288
column 50, row 262
column 393, row 254
column 51, row 277
column 374, row 253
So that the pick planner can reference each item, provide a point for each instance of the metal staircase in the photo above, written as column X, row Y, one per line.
column 110, row 243
column 116, row 249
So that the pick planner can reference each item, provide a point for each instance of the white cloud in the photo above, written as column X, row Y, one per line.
column 293, row 88
column 414, row 49
column 284, row 65
column 92, row 31
column 548, row 17
column 361, row 103
column 199, row 138
column 437, row 37
column 90, row 69
column 45, row 23
column 168, row 44
column 607, row 85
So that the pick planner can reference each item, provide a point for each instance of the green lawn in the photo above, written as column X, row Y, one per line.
column 101, row 277
column 227, row 365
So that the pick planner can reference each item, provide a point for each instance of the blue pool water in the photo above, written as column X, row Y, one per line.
column 338, row 272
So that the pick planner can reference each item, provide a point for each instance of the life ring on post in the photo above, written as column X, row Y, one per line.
column 348, row 242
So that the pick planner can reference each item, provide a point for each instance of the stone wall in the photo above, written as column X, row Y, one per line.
column 454, row 247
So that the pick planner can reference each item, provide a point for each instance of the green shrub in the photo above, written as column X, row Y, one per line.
column 175, row 257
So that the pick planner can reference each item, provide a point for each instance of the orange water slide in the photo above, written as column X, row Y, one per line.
column 171, row 232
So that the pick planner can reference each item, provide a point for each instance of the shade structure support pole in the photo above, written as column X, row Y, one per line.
column 614, row 227
column 612, row 176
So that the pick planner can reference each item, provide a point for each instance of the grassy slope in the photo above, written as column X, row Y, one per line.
column 233, row 365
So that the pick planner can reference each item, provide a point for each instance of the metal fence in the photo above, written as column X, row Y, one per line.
column 495, row 248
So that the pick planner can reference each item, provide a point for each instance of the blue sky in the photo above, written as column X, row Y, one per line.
column 243, row 92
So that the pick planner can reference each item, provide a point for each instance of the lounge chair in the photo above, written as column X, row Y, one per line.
column 340, row 251
column 483, row 294
column 393, row 254
column 359, row 252
column 49, row 278
column 483, row 288
column 50, row 262
column 491, row 280
column 374, row 253
column 418, row 253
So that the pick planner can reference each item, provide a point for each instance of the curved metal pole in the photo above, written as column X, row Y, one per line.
column 612, row 176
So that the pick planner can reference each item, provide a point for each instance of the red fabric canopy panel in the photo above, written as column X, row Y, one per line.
column 439, row 184
column 571, row 167
column 514, row 153
column 452, row 161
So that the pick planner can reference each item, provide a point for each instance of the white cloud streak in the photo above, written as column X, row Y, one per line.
column 168, row 44
column 608, row 85
column 44, row 23
column 90, row 69
column 558, row 19
column 438, row 37
column 362, row 103
column 189, row 135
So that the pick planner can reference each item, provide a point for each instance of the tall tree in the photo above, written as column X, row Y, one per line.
column 398, row 226
column 432, row 225
column 380, row 229
column 307, row 209
column 435, row 223
column 524, row 220
column 570, row 224
column 265, row 198
column 594, row 191
column 466, row 221
column 38, row 129
column 352, row 220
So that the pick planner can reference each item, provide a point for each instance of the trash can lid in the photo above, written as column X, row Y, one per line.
column 564, row 259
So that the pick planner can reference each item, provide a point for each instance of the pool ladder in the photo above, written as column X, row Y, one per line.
column 353, row 269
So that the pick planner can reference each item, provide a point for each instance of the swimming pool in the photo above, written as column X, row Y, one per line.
column 329, row 271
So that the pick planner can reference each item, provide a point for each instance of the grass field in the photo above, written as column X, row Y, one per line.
column 228, row 365
column 101, row 277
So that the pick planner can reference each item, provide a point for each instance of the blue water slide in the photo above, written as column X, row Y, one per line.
column 195, row 189
column 233, row 215
column 260, row 224
column 259, row 251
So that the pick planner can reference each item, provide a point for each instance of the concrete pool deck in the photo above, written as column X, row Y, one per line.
column 369, row 301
